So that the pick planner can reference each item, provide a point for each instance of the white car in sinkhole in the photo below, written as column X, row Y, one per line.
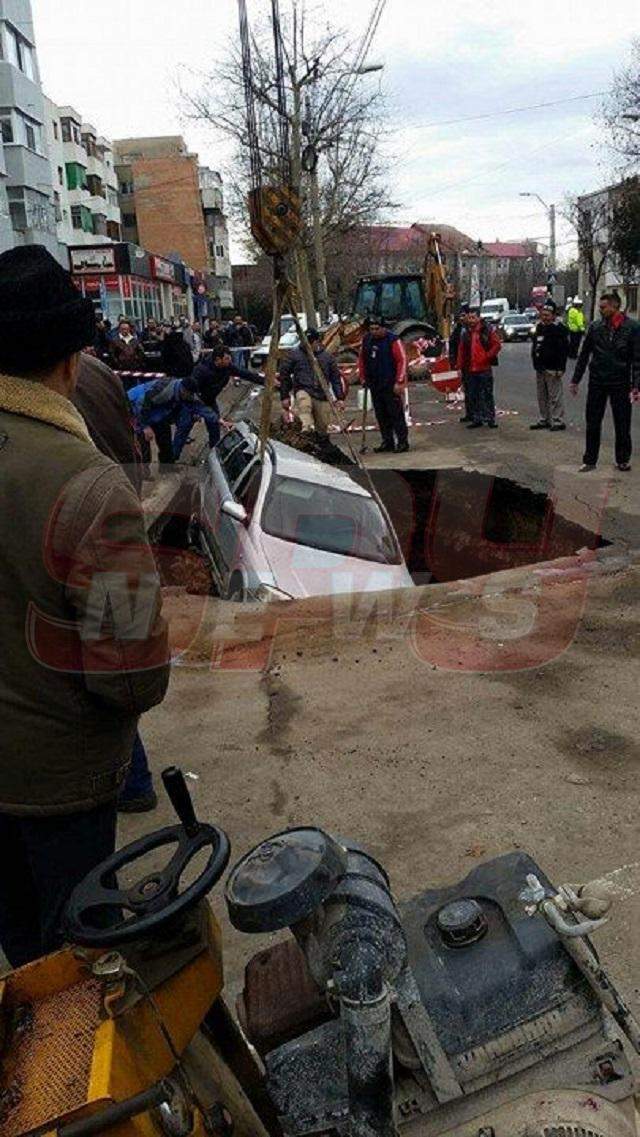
column 292, row 526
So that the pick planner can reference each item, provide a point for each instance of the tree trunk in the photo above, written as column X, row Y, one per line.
column 318, row 249
column 301, row 259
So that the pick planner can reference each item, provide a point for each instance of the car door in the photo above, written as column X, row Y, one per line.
column 230, row 535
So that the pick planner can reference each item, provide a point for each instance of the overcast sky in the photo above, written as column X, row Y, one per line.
column 117, row 64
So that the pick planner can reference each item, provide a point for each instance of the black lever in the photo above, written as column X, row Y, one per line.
column 180, row 799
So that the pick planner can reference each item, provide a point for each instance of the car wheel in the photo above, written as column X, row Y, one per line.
column 236, row 591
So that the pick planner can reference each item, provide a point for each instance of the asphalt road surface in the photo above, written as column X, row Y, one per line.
column 515, row 389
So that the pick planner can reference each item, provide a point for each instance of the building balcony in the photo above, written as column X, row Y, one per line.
column 211, row 199
column 73, row 152
column 81, row 197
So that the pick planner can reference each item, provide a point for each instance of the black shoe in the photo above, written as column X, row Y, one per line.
column 623, row 466
column 402, row 448
column 384, row 449
column 539, row 426
column 586, row 468
column 465, row 418
column 143, row 804
column 492, row 425
column 473, row 425
column 558, row 426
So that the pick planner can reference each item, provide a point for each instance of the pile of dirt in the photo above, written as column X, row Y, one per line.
column 309, row 442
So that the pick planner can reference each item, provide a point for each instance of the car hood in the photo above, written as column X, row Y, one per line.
column 301, row 571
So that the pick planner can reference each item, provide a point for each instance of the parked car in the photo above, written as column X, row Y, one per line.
column 516, row 326
column 288, row 342
column 533, row 314
column 290, row 526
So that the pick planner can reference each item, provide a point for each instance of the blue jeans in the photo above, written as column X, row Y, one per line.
column 43, row 859
column 480, row 400
column 139, row 782
column 187, row 415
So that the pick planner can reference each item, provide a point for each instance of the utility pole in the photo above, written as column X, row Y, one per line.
column 550, row 211
column 552, row 238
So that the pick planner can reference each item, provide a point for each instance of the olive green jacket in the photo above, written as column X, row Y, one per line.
column 83, row 648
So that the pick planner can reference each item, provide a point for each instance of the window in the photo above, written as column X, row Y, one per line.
column 219, row 250
column 126, row 187
column 17, row 208
column 95, row 186
column 76, row 176
column 65, row 126
column 322, row 517
column 248, row 488
column 61, row 175
column 19, row 52
column 129, row 220
column 89, row 143
column 113, row 231
column 56, row 203
column 76, row 216
column 236, row 462
column 30, row 135
column 56, row 132
column 7, row 129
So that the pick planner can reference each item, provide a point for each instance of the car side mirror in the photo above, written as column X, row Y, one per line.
column 234, row 510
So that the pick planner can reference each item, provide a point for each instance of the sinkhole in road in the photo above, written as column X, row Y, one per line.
column 453, row 524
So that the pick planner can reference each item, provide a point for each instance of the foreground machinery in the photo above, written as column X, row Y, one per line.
column 475, row 1010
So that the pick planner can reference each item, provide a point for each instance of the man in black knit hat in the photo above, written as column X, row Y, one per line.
column 84, row 648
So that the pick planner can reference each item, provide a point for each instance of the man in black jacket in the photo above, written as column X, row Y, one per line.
column 549, row 356
column 209, row 379
column 611, row 348
column 298, row 378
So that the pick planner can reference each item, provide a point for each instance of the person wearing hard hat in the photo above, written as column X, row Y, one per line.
column 575, row 326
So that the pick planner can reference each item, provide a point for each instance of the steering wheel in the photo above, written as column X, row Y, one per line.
column 95, row 912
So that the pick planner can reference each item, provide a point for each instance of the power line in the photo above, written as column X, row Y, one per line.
column 510, row 110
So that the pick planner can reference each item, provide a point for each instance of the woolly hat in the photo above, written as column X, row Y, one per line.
column 43, row 317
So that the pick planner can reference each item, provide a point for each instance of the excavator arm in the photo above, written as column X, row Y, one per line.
column 439, row 291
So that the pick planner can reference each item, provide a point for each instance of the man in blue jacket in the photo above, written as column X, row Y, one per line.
column 170, row 401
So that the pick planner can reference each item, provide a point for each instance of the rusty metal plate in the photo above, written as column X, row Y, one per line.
column 275, row 217
column 46, row 1060
column 280, row 999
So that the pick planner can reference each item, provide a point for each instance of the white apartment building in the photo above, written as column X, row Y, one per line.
column 217, row 234
column 85, row 186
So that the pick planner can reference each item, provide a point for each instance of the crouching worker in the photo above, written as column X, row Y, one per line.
column 300, row 386
column 84, row 649
column 167, row 401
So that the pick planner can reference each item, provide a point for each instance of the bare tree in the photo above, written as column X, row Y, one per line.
column 334, row 122
column 591, row 218
column 626, row 230
column 621, row 113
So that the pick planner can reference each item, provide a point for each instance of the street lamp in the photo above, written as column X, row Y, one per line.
column 551, row 214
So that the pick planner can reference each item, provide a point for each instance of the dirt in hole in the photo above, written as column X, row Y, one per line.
column 455, row 524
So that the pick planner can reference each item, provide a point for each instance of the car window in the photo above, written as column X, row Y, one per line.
column 248, row 487
column 236, row 462
column 228, row 443
column 322, row 517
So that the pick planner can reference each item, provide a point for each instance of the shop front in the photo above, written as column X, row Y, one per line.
column 124, row 280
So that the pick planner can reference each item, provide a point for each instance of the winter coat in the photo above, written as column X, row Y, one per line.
column 550, row 347
column 209, row 380
column 176, row 355
column 100, row 398
column 297, row 374
column 84, row 646
column 611, row 349
column 382, row 362
column 126, row 356
column 478, row 349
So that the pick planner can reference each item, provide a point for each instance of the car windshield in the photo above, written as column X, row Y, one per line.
column 323, row 517
column 516, row 320
column 399, row 299
column 492, row 307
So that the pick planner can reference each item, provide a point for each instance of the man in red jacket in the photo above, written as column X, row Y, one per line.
column 382, row 367
column 477, row 353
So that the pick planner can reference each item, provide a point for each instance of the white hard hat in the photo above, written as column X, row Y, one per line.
column 577, row 300
column 569, row 299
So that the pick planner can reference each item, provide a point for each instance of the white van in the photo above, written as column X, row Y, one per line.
column 495, row 309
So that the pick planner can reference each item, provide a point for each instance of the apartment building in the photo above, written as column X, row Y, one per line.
column 600, row 206
column 175, row 208
column 85, row 186
column 27, row 213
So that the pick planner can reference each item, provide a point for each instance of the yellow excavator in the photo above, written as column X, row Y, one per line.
column 418, row 307
column 475, row 1009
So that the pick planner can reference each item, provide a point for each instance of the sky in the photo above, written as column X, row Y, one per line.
column 117, row 64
